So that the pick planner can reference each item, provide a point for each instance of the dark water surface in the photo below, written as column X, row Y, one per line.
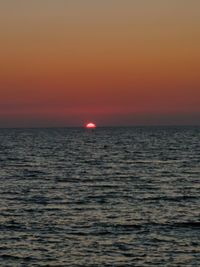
column 109, row 197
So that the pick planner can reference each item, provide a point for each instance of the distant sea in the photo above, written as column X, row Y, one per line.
column 108, row 197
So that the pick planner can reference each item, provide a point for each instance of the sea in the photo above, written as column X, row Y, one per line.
column 123, row 196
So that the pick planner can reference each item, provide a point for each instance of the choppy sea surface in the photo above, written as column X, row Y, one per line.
column 109, row 197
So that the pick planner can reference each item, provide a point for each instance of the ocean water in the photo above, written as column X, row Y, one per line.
column 109, row 197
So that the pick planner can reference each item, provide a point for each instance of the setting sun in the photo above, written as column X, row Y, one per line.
column 90, row 125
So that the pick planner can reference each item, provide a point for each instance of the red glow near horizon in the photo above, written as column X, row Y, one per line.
column 90, row 125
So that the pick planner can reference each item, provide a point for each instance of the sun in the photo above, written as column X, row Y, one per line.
column 90, row 125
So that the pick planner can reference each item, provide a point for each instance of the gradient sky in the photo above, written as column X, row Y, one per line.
column 115, row 62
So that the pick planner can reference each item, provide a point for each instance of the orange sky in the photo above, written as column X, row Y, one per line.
column 115, row 62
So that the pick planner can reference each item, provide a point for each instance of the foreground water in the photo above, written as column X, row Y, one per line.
column 109, row 197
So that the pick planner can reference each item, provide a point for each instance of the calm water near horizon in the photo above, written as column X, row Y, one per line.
column 110, row 197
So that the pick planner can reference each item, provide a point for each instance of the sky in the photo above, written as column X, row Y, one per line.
column 114, row 62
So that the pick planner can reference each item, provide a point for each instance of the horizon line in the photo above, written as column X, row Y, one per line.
column 101, row 126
